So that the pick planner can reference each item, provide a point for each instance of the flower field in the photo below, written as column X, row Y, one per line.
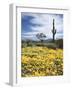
column 41, row 61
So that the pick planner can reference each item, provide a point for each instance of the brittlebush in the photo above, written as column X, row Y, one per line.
column 41, row 61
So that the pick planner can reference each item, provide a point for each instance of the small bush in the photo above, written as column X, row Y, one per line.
column 52, row 46
column 59, row 43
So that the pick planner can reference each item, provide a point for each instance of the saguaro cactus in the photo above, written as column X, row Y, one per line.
column 54, row 30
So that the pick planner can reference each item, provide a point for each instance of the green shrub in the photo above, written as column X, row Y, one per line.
column 59, row 43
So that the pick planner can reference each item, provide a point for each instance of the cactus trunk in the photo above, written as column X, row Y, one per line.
column 53, row 37
column 53, row 31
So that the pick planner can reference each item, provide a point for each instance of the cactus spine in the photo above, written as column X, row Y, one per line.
column 53, row 30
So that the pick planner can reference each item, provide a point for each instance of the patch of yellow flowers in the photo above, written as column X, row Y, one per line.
column 41, row 61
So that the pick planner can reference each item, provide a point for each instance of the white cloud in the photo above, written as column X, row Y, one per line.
column 46, row 20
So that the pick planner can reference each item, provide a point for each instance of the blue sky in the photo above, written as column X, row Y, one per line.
column 33, row 23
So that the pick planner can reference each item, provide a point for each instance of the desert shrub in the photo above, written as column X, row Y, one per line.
column 53, row 46
column 50, row 45
column 23, row 44
column 29, row 44
column 39, row 44
column 59, row 43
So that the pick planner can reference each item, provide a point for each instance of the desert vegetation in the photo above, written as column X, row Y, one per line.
column 42, row 57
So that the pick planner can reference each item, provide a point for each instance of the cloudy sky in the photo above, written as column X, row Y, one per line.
column 33, row 23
